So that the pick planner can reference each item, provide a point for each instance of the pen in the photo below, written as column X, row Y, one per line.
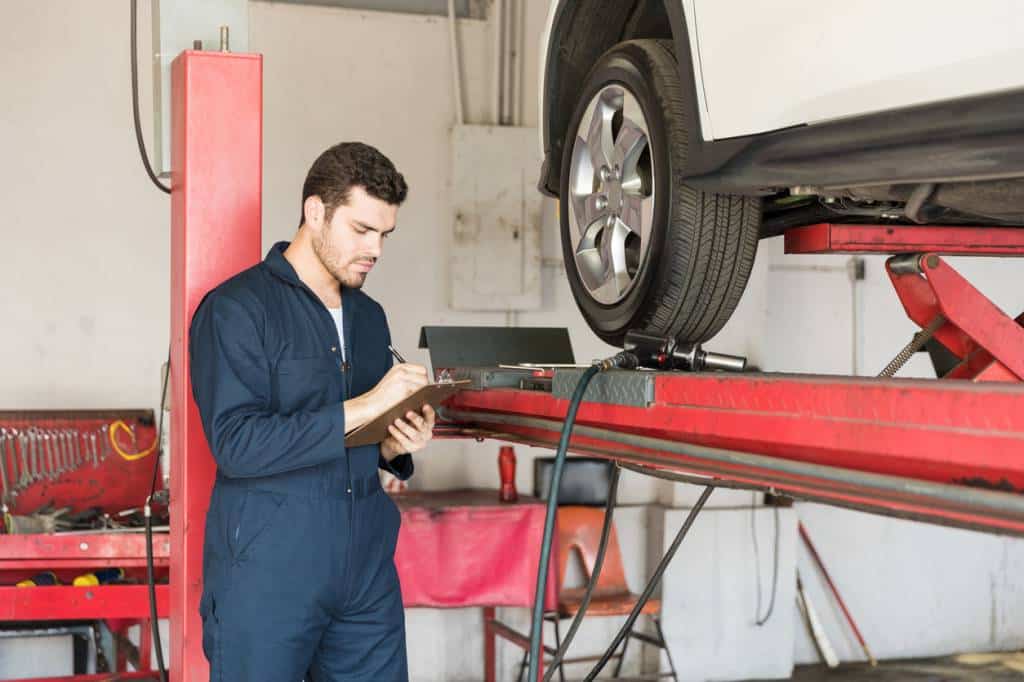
column 398, row 356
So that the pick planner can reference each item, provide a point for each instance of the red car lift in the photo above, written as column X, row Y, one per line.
column 949, row 451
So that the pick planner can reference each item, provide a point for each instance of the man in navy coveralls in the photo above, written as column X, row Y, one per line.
column 298, row 564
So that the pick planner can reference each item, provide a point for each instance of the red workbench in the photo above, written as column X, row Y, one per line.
column 456, row 549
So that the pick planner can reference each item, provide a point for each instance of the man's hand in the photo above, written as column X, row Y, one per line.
column 399, row 383
column 410, row 434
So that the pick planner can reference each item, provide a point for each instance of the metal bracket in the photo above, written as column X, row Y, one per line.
column 987, row 341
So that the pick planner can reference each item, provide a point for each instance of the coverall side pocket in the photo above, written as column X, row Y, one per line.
column 257, row 510
column 211, row 636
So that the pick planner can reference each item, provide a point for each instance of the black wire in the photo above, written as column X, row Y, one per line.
column 135, row 102
column 150, row 571
column 609, row 510
column 651, row 584
column 757, row 553
column 151, row 578
column 775, row 572
column 537, row 622
column 160, row 426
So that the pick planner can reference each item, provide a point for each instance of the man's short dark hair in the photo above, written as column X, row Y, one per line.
column 347, row 165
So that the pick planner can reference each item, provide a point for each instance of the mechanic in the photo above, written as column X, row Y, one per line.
column 287, row 356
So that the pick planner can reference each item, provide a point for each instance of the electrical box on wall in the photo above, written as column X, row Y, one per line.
column 496, row 219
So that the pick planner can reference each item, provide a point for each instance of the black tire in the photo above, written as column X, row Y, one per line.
column 702, row 245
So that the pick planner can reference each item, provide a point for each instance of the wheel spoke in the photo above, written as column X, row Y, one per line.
column 589, row 262
column 638, row 214
column 599, row 136
column 631, row 142
column 613, row 254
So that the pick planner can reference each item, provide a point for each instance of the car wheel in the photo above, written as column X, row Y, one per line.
column 642, row 249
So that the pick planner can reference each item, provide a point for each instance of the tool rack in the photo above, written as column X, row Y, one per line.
column 73, row 457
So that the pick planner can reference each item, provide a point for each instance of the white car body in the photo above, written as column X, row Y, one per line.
column 764, row 66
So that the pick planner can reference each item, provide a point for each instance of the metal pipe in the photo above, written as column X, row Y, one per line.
column 835, row 591
column 516, row 94
column 719, row 460
column 499, row 57
column 456, row 70
column 506, row 77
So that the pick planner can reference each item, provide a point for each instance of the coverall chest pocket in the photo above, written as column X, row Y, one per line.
column 307, row 383
column 249, row 518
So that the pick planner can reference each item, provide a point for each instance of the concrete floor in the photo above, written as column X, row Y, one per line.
column 972, row 667
column 965, row 668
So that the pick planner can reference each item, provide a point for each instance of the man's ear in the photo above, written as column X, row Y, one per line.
column 313, row 210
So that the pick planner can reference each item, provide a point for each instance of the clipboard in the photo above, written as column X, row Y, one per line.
column 377, row 430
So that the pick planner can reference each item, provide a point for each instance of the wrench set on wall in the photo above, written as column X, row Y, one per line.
column 48, row 447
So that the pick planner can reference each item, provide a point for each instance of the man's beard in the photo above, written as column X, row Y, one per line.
column 334, row 263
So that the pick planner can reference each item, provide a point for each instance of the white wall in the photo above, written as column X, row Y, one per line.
column 85, row 292
column 85, row 264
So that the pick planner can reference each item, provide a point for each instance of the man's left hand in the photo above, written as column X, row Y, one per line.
column 410, row 434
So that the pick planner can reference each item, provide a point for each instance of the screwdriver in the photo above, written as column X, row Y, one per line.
column 40, row 580
column 103, row 576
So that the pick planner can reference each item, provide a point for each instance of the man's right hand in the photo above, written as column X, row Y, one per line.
column 399, row 383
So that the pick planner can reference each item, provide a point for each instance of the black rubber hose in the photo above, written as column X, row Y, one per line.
column 549, row 521
column 651, row 585
column 151, row 579
column 150, row 572
column 135, row 102
column 613, row 488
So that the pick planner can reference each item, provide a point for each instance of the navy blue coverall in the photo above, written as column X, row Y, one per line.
column 298, row 561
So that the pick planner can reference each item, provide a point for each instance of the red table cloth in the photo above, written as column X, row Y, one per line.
column 465, row 548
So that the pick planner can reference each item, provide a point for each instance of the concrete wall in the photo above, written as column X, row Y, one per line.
column 85, row 295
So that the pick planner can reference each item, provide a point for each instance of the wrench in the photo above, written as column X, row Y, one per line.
column 76, row 451
column 3, row 464
column 58, row 441
column 47, row 455
column 95, row 453
column 62, row 452
column 25, row 478
column 105, row 440
column 53, row 447
column 33, row 454
column 42, row 438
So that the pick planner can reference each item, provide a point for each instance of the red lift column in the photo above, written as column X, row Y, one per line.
column 217, row 142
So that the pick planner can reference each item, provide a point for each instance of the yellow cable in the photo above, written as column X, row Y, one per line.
column 128, row 456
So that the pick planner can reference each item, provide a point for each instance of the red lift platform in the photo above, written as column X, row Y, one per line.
column 949, row 450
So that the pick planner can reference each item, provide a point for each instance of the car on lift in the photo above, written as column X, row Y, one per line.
column 677, row 133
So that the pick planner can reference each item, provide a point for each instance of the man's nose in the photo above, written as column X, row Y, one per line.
column 374, row 245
